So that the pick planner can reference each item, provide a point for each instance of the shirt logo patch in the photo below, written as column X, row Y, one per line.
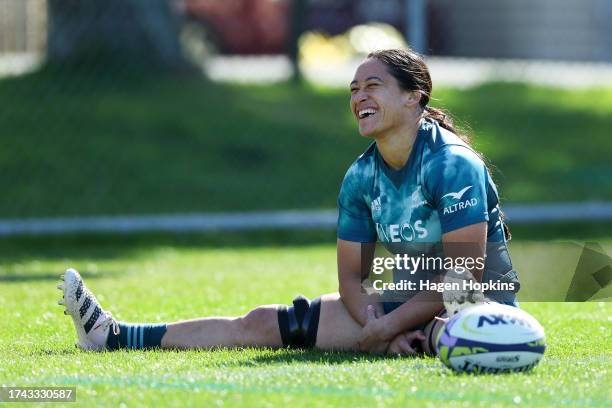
column 376, row 208
column 462, row 205
column 404, row 232
column 457, row 196
column 417, row 199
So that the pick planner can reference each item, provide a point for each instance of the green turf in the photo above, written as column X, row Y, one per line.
column 149, row 279
column 78, row 144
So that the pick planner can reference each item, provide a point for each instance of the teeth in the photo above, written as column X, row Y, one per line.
column 364, row 112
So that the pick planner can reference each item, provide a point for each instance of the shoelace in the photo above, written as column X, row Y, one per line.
column 108, row 316
column 109, row 320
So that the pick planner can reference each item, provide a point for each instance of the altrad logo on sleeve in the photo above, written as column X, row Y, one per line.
column 458, row 202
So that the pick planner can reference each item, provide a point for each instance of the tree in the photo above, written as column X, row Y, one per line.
column 138, row 32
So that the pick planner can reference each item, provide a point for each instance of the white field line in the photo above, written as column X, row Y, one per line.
column 291, row 219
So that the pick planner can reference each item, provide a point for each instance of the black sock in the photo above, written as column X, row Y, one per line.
column 136, row 336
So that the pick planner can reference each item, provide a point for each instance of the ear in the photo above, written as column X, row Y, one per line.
column 412, row 98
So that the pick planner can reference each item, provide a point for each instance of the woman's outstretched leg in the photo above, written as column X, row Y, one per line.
column 258, row 328
column 263, row 327
column 324, row 323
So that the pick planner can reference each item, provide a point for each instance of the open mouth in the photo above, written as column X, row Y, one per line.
column 364, row 113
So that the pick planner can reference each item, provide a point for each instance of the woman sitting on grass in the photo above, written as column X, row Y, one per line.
column 418, row 182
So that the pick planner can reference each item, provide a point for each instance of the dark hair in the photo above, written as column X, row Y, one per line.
column 412, row 74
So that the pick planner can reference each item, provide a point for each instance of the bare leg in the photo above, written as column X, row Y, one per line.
column 337, row 328
column 259, row 328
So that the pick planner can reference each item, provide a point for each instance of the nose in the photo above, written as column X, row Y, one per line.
column 359, row 96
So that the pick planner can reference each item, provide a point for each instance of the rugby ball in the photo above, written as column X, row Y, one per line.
column 491, row 338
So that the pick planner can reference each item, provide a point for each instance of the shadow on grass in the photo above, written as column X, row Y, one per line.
column 112, row 246
column 285, row 356
column 23, row 277
column 279, row 357
column 73, row 249
column 29, row 277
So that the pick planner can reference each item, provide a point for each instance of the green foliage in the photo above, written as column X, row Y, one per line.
column 546, row 144
column 126, row 143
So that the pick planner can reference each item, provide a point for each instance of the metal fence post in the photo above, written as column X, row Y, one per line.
column 416, row 25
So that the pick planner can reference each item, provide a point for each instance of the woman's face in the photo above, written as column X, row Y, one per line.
column 377, row 101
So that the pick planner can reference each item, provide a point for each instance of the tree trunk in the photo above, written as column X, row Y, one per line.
column 122, row 32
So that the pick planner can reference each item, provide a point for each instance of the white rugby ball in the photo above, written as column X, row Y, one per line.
column 491, row 338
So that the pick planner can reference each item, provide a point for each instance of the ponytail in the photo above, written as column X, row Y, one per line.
column 445, row 120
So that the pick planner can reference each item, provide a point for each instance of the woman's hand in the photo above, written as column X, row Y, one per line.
column 401, row 345
column 374, row 336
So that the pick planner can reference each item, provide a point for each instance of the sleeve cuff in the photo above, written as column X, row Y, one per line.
column 464, row 222
column 353, row 237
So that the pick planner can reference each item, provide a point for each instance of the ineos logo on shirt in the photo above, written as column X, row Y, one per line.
column 405, row 232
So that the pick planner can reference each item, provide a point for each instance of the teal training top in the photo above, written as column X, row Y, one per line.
column 443, row 186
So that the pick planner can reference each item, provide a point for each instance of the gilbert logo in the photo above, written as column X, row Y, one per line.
column 460, row 205
column 457, row 196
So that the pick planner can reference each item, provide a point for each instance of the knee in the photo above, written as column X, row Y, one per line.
column 259, row 319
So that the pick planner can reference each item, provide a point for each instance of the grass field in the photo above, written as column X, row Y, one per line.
column 174, row 277
column 81, row 144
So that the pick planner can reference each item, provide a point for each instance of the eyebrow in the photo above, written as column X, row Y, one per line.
column 367, row 79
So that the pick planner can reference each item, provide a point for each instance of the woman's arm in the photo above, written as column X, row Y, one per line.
column 425, row 305
column 351, row 272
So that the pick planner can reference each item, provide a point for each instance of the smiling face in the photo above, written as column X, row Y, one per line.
column 377, row 101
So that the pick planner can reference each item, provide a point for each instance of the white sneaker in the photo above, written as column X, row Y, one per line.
column 92, row 323
column 463, row 298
